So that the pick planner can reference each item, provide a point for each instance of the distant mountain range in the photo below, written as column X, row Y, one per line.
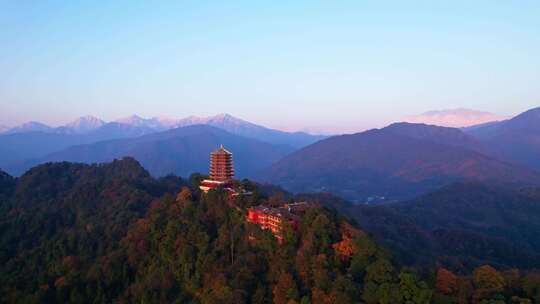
column 31, row 126
column 181, row 151
column 89, row 124
column 19, row 147
column 515, row 140
column 32, row 142
column 396, row 162
column 400, row 161
column 250, row 130
column 456, row 118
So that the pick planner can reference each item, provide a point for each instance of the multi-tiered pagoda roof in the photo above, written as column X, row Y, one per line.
column 221, row 165
column 221, row 170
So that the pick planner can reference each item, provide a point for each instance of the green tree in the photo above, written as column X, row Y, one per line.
column 413, row 291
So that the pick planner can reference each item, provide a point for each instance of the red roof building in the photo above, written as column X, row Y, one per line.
column 272, row 219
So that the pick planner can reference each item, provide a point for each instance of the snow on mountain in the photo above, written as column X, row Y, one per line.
column 83, row 124
column 135, row 125
column 167, row 122
column 223, row 121
column 456, row 118
column 31, row 126
column 133, row 120
column 153, row 123
column 228, row 123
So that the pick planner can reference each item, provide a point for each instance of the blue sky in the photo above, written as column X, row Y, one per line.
column 333, row 65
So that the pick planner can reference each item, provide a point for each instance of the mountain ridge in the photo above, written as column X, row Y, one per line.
column 385, row 163
column 17, row 148
column 516, row 140
column 181, row 151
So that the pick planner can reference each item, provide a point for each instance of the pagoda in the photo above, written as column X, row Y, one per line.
column 221, row 170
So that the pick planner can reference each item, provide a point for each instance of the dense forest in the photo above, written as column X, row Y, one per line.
column 110, row 233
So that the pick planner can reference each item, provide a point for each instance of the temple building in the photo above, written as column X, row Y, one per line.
column 272, row 219
column 221, row 170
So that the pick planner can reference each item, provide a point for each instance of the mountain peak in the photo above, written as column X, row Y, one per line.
column 132, row 119
column 456, row 118
column 31, row 126
column 84, row 124
column 227, row 119
column 224, row 116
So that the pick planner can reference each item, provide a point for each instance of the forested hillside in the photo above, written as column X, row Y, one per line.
column 110, row 233
column 461, row 226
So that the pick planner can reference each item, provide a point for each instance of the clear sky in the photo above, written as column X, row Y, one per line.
column 339, row 65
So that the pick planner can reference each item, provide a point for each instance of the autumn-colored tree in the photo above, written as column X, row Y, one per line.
column 488, row 282
column 446, row 282
column 465, row 290
column 218, row 291
column 184, row 195
column 318, row 296
column 285, row 289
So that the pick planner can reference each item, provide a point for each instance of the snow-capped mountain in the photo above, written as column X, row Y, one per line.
column 153, row 123
column 456, row 118
column 244, row 128
column 31, row 126
column 223, row 121
column 82, row 125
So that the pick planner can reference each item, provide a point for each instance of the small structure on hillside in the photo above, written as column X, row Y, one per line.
column 221, row 170
column 298, row 207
